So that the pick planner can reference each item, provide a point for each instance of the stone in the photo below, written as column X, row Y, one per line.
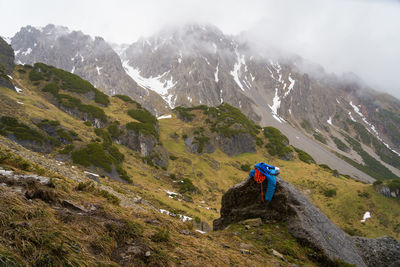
column 147, row 254
column 185, row 232
column 246, row 246
column 73, row 206
column 252, row 222
column 247, row 227
column 245, row 251
column 304, row 221
column 226, row 246
column 277, row 254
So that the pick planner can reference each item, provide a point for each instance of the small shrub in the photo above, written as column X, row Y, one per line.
column 319, row 137
column 67, row 149
column 162, row 235
column 87, row 123
column 172, row 157
column 304, row 156
column 329, row 192
column 245, row 167
column 186, row 186
column 110, row 197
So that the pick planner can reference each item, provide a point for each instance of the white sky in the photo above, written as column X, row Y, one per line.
column 362, row 36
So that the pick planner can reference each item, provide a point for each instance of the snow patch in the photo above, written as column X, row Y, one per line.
column 153, row 83
column 73, row 69
column 216, row 73
column 98, row 70
column 276, row 103
column 351, row 117
column 337, row 101
column 27, row 52
column 11, row 78
column 201, row 232
column 366, row 216
column 91, row 173
column 165, row 117
column 236, row 69
column 20, row 103
column 291, row 85
column 183, row 218
column 18, row 90
column 329, row 120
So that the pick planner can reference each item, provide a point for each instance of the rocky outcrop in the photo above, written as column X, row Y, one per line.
column 146, row 145
column 383, row 251
column 303, row 220
column 6, row 64
column 387, row 191
column 237, row 144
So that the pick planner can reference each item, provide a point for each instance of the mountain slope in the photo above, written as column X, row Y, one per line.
column 111, row 221
column 338, row 120
column 92, row 59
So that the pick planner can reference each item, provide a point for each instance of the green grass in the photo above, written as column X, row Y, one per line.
column 145, row 128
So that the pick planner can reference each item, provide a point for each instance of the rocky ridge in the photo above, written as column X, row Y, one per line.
column 304, row 221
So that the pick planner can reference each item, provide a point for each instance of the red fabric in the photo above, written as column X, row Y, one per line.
column 259, row 178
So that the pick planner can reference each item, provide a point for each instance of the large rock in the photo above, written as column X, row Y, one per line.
column 304, row 221
column 383, row 251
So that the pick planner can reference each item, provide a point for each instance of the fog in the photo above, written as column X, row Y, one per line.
column 342, row 35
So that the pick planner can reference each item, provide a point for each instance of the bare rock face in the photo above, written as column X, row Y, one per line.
column 91, row 58
column 6, row 64
column 304, row 221
column 383, row 251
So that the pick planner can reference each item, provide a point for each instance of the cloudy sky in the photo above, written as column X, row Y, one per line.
column 360, row 36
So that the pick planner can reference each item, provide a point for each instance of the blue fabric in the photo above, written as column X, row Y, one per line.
column 269, row 172
column 251, row 173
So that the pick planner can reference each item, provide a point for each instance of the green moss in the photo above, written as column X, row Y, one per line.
column 304, row 156
column 329, row 192
column 35, row 76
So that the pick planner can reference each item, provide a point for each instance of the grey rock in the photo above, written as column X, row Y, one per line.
column 303, row 220
column 185, row 232
column 147, row 254
column 383, row 251
column 245, row 251
column 252, row 222
column 387, row 192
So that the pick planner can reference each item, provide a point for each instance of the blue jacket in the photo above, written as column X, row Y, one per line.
column 269, row 172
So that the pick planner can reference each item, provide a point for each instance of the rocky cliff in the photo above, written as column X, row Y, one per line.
column 6, row 64
column 304, row 221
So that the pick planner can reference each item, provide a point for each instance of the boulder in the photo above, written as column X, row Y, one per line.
column 304, row 221
column 383, row 251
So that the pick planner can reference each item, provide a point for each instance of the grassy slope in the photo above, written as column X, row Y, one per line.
column 345, row 209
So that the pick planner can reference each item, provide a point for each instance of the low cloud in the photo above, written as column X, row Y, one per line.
column 341, row 35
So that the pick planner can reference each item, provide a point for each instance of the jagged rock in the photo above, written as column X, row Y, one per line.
column 304, row 221
column 73, row 206
column 383, row 251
